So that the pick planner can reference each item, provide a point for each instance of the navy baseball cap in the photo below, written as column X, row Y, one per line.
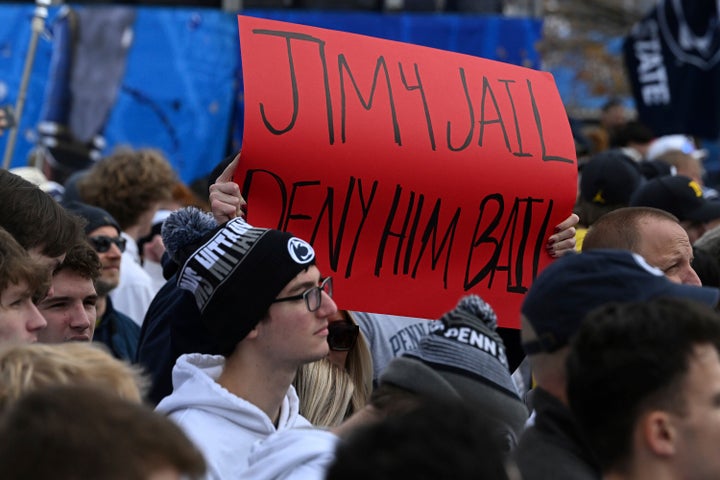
column 609, row 178
column 575, row 284
column 678, row 195
column 656, row 168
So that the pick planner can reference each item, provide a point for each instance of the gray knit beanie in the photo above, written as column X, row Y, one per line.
column 463, row 356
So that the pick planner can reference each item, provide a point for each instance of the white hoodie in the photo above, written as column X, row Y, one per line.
column 297, row 454
column 222, row 425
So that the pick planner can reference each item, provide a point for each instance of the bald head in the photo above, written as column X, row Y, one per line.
column 619, row 229
column 654, row 234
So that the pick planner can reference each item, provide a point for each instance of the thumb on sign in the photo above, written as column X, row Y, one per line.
column 226, row 202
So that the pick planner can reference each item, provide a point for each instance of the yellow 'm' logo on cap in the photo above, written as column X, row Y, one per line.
column 696, row 188
column 598, row 198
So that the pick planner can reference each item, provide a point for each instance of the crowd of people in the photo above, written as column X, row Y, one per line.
column 150, row 329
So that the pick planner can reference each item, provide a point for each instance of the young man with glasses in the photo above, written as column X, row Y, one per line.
column 266, row 306
column 112, row 327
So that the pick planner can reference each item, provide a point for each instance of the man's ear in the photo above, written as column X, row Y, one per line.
column 659, row 433
column 258, row 329
column 253, row 333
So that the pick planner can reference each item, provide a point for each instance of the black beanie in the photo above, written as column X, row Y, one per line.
column 236, row 272
column 95, row 217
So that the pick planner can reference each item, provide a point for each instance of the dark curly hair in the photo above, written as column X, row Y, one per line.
column 83, row 260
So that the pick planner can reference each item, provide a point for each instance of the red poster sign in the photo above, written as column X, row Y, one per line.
column 418, row 175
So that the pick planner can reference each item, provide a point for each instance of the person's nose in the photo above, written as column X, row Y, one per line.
column 327, row 306
column 80, row 318
column 114, row 250
column 691, row 277
column 35, row 320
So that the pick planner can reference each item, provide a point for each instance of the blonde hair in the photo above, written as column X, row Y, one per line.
column 325, row 391
column 359, row 366
column 29, row 367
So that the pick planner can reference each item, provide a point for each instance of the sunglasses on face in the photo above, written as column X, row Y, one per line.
column 342, row 336
column 102, row 243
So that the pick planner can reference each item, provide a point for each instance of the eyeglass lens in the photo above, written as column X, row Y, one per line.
column 313, row 296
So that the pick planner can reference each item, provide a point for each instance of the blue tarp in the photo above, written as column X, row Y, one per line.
column 182, row 89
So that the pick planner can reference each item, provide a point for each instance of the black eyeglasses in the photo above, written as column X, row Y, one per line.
column 312, row 296
column 102, row 243
column 342, row 336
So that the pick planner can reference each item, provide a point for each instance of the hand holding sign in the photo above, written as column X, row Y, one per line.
column 226, row 201
column 564, row 240
column 418, row 175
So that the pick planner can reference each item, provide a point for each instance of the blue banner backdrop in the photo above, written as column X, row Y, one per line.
column 182, row 88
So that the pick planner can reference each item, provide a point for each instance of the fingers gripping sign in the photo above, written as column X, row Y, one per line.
column 226, row 201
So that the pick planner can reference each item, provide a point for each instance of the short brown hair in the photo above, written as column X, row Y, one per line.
column 35, row 219
column 17, row 266
column 113, row 439
column 128, row 183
